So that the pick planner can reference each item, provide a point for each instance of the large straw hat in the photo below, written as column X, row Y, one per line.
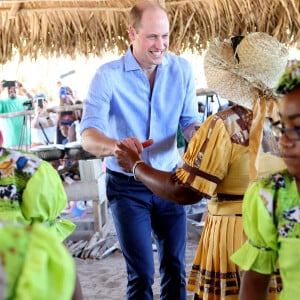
column 250, row 71
column 247, row 73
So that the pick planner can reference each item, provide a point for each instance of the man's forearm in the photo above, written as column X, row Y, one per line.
column 97, row 143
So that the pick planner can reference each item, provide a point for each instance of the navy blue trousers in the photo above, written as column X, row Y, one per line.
column 138, row 214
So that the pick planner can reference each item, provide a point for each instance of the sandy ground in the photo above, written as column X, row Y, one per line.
column 105, row 278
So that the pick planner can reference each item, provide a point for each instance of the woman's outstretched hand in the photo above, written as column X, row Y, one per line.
column 129, row 151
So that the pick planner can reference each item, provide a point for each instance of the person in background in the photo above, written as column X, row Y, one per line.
column 224, row 155
column 35, row 265
column 271, row 208
column 31, row 191
column 16, row 128
column 74, row 130
column 201, row 110
column 146, row 93
column 66, row 98
column 64, row 128
column 44, row 123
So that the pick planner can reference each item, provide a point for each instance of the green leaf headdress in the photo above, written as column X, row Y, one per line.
column 290, row 78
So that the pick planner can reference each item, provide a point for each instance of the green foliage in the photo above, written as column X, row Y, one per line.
column 290, row 78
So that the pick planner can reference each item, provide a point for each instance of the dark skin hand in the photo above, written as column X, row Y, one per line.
column 159, row 182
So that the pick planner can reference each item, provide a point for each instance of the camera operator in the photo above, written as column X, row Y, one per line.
column 43, row 124
column 15, row 127
column 66, row 98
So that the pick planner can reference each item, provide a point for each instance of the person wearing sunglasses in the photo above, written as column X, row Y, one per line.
column 271, row 207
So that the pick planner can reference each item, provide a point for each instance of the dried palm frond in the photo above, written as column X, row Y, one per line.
column 68, row 28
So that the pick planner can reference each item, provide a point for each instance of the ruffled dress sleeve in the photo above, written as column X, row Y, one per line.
column 207, row 157
column 43, row 200
column 260, row 251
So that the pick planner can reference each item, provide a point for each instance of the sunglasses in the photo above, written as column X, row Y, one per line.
column 293, row 134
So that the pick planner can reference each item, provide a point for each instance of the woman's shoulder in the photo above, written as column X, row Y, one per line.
column 237, row 121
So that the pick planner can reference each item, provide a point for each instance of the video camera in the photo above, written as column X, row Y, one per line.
column 27, row 105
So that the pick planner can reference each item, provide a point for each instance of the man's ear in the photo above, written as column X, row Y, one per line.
column 132, row 33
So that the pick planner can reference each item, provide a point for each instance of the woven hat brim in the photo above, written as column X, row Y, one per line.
column 262, row 59
column 217, row 63
column 256, row 74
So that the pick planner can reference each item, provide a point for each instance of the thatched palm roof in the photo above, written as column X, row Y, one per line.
column 93, row 27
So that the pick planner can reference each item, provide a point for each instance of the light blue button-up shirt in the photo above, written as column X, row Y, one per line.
column 120, row 104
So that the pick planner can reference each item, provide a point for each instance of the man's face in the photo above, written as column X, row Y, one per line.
column 290, row 119
column 64, row 129
column 12, row 93
column 151, row 40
